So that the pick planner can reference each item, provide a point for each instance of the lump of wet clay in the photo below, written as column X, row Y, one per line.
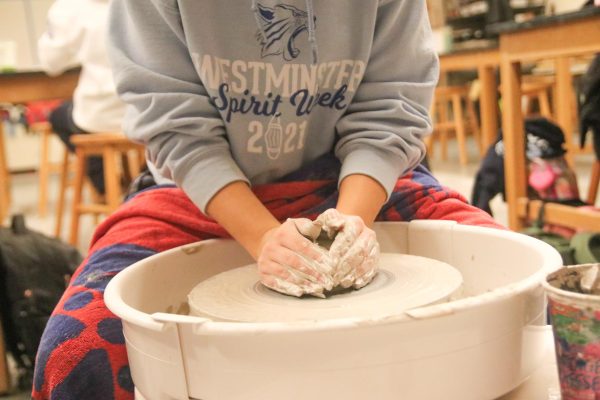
column 341, row 284
column 583, row 279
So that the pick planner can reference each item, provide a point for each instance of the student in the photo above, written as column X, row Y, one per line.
column 259, row 117
column 75, row 37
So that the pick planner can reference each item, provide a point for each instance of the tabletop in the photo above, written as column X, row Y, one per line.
column 512, row 26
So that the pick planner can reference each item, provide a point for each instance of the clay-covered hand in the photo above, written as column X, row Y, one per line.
column 291, row 263
column 354, row 251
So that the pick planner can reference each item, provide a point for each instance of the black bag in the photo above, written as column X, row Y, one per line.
column 544, row 142
column 34, row 272
column 589, row 105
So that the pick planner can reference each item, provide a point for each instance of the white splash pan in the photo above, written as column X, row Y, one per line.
column 477, row 347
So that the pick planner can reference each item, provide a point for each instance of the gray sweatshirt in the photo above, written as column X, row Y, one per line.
column 250, row 90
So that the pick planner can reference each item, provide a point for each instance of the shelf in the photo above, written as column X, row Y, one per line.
column 538, row 10
column 466, row 20
column 533, row 9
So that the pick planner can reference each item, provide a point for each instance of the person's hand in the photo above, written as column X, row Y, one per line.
column 354, row 252
column 290, row 263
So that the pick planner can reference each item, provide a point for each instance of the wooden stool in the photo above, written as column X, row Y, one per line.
column 4, row 179
column 594, row 181
column 67, row 166
column 454, row 96
column 537, row 90
column 46, row 167
column 111, row 147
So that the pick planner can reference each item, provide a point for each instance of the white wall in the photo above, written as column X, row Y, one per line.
column 23, row 150
column 22, row 22
column 562, row 6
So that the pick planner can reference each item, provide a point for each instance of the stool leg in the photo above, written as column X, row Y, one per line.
column 97, row 198
column 474, row 125
column 4, row 375
column 43, row 172
column 135, row 163
column 527, row 105
column 544, row 101
column 64, row 177
column 593, row 191
column 142, row 157
column 4, row 179
column 562, row 107
column 460, row 128
column 429, row 139
column 443, row 112
column 111, row 178
column 429, row 144
column 80, row 167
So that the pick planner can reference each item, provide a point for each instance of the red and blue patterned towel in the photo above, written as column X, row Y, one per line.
column 82, row 355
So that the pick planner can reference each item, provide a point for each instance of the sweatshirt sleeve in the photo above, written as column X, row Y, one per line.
column 381, row 134
column 168, row 108
column 59, row 45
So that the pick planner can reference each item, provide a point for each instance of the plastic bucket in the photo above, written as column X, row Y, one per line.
column 575, row 321
column 479, row 346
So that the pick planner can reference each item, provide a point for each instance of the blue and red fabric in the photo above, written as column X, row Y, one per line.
column 82, row 354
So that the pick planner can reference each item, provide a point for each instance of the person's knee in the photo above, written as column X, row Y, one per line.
column 55, row 119
column 82, row 353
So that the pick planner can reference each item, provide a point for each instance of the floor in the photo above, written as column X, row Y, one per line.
column 25, row 201
column 17, row 396
column 450, row 173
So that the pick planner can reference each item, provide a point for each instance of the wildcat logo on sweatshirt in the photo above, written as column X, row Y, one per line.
column 276, row 87
column 280, row 26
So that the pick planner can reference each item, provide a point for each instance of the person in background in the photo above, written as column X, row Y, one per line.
column 265, row 121
column 76, row 37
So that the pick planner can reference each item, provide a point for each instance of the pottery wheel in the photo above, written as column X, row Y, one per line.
column 402, row 282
